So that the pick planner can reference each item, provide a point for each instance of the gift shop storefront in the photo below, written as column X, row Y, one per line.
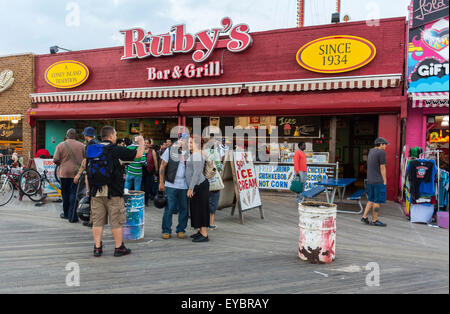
column 428, row 79
column 336, row 87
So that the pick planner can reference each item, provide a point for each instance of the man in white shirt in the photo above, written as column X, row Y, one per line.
column 172, row 176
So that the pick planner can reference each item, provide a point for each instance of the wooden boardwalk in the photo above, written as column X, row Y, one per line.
column 258, row 257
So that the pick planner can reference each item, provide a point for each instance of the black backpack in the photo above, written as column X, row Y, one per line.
column 100, row 165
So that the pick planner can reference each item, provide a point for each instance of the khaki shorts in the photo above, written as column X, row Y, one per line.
column 102, row 208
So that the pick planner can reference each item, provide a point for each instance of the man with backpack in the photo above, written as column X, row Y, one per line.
column 106, row 186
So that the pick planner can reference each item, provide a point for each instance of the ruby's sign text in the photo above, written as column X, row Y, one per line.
column 141, row 44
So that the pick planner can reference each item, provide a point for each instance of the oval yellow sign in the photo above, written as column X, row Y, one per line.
column 336, row 54
column 66, row 74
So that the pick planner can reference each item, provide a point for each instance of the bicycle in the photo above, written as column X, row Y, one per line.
column 9, row 182
column 34, row 185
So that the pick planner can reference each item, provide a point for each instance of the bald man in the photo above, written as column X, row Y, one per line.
column 68, row 156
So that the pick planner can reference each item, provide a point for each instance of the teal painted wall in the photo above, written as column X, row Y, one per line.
column 55, row 132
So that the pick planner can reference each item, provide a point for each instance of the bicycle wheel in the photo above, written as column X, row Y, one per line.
column 39, row 196
column 6, row 191
column 30, row 182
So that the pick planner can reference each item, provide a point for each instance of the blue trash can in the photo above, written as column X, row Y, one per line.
column 134, row 205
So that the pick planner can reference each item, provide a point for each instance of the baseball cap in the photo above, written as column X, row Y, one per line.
column 89, row 131
column 380, row 141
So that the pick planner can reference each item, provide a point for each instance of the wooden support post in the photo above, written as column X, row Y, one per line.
column 333, row 126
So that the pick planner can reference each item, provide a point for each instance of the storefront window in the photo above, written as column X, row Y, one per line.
column 438, row 137
column 157, row 129
column 11, row 137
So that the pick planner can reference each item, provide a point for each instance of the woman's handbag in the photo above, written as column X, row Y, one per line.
column 209, row 171
column 297, row 185
column 216, row 183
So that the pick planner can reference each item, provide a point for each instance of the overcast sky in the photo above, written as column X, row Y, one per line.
column 35, row 25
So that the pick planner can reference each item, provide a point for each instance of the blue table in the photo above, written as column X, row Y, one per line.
column 339, row 185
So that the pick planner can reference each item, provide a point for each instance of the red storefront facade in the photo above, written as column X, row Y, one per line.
column 263, row 80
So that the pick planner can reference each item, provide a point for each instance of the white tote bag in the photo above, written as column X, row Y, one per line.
column 216, row 183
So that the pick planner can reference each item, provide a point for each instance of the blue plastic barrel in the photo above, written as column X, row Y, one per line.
column 134, row 205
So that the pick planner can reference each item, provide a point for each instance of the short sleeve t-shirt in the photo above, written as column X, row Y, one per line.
column 124, row 154
column 376, row 158
column 180, row 178
column 135, row 168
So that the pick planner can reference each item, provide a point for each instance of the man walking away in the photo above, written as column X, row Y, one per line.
column 106, row 187
column 376, row 182
column 69, row 156
column 300, row 167
column 172, row 180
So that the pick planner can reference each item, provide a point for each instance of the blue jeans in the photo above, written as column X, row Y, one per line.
column 303, row 179
column 177, row 202
column 151, row 186
column 133, row 181
column 214, row 198
column 69, row 193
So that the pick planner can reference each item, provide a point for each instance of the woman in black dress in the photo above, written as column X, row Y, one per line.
column 198, row 192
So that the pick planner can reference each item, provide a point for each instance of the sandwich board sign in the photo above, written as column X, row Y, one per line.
column 241, row 184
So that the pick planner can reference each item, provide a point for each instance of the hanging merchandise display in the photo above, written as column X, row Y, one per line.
column 425, row 186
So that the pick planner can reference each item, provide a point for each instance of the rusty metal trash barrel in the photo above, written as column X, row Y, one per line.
column 317, row 224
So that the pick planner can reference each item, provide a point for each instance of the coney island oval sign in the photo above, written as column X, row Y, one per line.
column 336, row 54
column 66, row 74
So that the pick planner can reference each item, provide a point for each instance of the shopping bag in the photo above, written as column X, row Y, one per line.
column 297, row 185
column 216, row 183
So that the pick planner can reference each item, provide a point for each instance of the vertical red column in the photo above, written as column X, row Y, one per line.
column 388, row 128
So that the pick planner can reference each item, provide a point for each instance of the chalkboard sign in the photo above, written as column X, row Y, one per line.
column 426, row 11
column 298, row 127
column 10, row 131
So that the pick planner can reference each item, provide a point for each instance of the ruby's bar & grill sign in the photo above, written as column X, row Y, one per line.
column 139, row 44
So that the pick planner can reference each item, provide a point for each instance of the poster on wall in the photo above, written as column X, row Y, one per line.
column 10, row 131
column 279, row 177
column 298, row 127
column 428, row 68
column 50, row 166
column 426, row 11
column 439, row 136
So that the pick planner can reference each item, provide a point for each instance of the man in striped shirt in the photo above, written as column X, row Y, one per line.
column 133, row 177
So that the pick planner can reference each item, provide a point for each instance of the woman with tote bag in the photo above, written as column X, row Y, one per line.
column 198, row 192
column 215, row 183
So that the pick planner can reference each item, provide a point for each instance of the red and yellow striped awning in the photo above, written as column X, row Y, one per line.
column 11, row 117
